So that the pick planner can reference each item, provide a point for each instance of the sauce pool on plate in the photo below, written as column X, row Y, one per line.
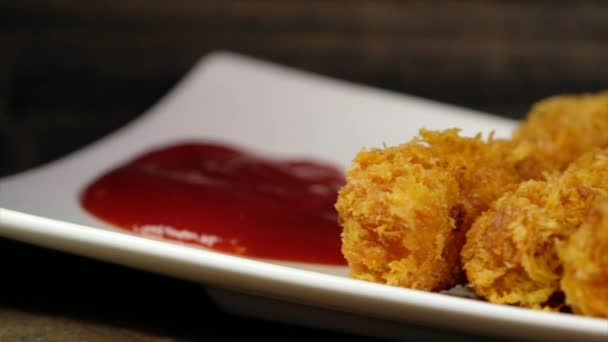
column 227, row 200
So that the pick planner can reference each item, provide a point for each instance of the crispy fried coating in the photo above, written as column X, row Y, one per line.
column 510, row 255
column 558, row 130
column 405, row 209
column 585, row 259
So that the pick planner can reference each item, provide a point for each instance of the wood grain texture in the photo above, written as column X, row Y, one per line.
column 54, row 296
column 414, row 41
column 78, row 69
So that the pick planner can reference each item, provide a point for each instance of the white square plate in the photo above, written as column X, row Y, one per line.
column 280, row 112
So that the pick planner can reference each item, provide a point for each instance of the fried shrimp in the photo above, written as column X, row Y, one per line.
column 558, row 130
column 511, row 254
column 405, row 209
column 585, row 259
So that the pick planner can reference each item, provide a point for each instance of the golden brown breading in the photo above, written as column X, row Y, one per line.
column 405, row 209
column 558, row 130
column 510, row 255
column 585, row 259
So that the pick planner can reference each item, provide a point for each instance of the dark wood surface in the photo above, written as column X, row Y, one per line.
column 48, row 295
column 72, row 71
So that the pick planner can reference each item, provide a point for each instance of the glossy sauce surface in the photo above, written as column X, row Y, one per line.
column 227, row 200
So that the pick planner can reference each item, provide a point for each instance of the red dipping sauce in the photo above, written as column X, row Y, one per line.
column 227, row 200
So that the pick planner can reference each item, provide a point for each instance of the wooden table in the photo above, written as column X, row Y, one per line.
column 49, row 295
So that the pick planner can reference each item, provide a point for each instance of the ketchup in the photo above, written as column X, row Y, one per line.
column 227, row 200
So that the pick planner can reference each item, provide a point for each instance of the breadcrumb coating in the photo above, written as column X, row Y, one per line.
column 558, row 130
column 405, row 209
column 585, row 259
column 510, row 255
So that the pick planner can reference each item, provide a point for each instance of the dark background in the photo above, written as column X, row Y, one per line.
column 71, row 71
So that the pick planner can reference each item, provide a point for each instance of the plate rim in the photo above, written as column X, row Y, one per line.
column 274, row 280
column 270, row 280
